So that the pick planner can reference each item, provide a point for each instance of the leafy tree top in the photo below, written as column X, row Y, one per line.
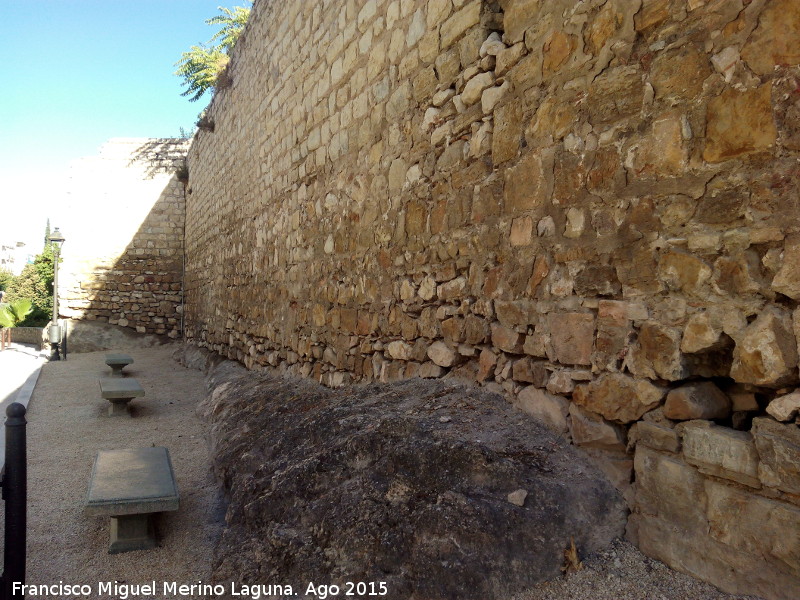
column 202, row 65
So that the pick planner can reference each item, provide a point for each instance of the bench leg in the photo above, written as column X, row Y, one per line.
column 119, row 407
column 116, row 370
column 131, row 532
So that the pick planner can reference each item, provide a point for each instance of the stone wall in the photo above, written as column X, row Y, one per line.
column 123, row 255
column 590, row 207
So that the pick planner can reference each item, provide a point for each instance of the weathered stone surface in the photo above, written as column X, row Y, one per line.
column 787, row 279
column 656, row 353
column 721, row 452
column 702, row 333
column 474, row 88
column 590, row 430
column 702, row 400
column 376, row 461
column 670, row 490
column 572, row 337
column 766, row 353
column 682, row 271
column 399, row 350
column 713, row 531
column 776, row 40
column 653, row 435
column 785, row 408
column 506, row 339
column 442, row 354
column 618, row 397
column 739, row 123
column 530, row 371
column 754, row 525
column 778, row 446
column 548, row 408
column 527, row 183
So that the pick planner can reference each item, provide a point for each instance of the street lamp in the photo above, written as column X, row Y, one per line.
column 54, row 333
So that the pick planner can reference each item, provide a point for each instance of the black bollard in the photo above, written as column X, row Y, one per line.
column 15, row 494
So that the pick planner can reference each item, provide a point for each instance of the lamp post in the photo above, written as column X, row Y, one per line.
column 54, row 333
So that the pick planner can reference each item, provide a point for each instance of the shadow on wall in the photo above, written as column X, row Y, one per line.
column 123, row 259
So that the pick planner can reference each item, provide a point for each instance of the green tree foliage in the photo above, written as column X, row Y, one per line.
column 6, row 277
column 14, row 313
column 201, row 67
column 36, row 284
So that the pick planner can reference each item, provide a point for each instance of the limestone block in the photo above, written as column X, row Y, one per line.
column 785, row 408
column 492, row 46
column 670, row 490
column 618, row 397
column 560, row 382
column 454, row 27
column 758, row 526
column 720, row 451
column 515, row 313
column 505, row 146
column 427, row 288
column 702, row 333
column 653, row 435
column 656, row 353
column 739, row 123
column 451, row 290
column 519, row 15
column 787, row 279
column 776, row 40
column 476, row 330
column 663, row 151
column 701, row 400
column 778, row 446
column 430, row 370
column 438, row 11
column 506, row 339
column 591, row 430
column 509, row 57
column 682, row 271
column 549, row 409
column 416, row 29
column 530, row 371
column 442, row 355
column 572, row 337
column 616, row 94
column 766, row 353
column 399, row 350
column 487, row 361
column 492, row 96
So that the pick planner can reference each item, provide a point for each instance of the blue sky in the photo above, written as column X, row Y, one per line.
column 78, row 72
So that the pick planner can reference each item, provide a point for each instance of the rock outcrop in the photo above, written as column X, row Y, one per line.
column 439, row 490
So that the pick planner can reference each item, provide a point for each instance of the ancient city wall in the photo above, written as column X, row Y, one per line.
column 123, row 258
column 591, row 207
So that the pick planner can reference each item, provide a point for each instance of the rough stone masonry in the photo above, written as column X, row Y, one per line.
column 591, row 207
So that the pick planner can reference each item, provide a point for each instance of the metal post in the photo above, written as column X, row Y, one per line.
column 15, row 493
column 54, row 355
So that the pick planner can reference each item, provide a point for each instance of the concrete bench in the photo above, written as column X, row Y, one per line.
column 129, row 486
column 117, row 362
column 120, row 392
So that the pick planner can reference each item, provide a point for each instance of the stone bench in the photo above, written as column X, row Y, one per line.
column 120, row 392
column 129, row 486
column 117, row 362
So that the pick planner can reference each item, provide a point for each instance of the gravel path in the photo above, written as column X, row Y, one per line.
column 68, row 425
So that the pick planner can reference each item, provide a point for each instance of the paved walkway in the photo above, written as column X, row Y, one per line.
column 19, row 370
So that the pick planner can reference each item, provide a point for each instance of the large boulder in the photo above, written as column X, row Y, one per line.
column 416, row 484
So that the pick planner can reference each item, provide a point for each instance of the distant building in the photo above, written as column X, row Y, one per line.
column 13, row 256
